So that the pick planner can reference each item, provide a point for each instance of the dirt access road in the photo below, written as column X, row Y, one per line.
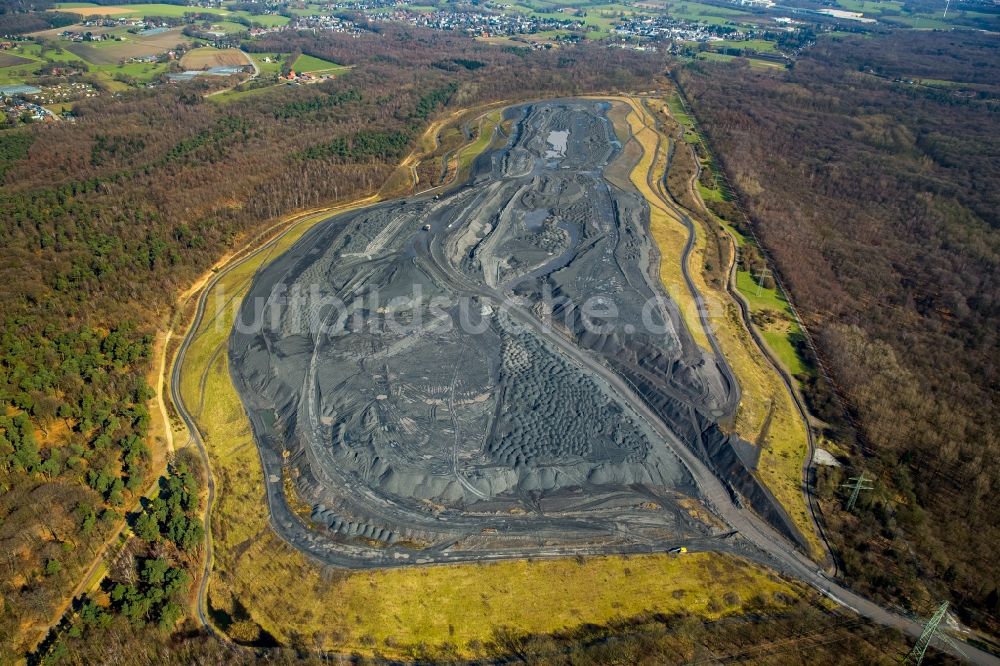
column 769, row 547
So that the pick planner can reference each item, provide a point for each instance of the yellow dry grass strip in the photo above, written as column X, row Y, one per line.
column 786, row 440
column 668, row 232
column 395, row 611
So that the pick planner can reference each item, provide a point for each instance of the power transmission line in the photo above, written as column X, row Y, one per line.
column 916, row 654
column 857, row 484
column 762, row 275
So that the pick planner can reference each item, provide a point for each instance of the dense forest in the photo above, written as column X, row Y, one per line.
column 149, row 578
column 108, row 218
column 879, row 199
column 20, row 16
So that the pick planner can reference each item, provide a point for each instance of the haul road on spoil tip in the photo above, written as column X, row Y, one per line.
column 430, row 372
column 448, row 413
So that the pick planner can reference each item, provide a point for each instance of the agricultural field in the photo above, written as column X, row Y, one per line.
column 105, row 61
column 24, row 59
column 164, row 10
column 208, row 57
column 131, row 46
column 11, row 60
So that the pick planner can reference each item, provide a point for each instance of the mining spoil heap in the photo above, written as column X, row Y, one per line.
column 459, row 376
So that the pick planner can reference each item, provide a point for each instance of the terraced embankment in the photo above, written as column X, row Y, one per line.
column 261, row 584
column 265, row 583
column 362, row 375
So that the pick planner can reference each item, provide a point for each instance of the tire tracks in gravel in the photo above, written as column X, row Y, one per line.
column 774, row 548
column 779, row 368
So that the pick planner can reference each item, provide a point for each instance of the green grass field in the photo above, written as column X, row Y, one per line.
column 487, row 125
column 265, row 20
column 921, row 22
column 779, row 338
column 696, row 11
column 758, row 45
column 308, row 64
column 870, row 8
column 231, row 27
column 174, row 11
column 38, row 55
column 604, row 24
column 754, row 62
column 272, row 67
column 710, row 193
column 140, row 71
column 399, row 612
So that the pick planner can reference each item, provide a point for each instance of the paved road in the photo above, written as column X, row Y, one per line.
column 748, row 325
column 768, row 546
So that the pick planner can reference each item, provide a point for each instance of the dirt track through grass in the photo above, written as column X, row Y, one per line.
column 394, row 612
column 766, row 399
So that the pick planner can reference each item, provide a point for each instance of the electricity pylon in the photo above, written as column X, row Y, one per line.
column 857, row 484
column 930, row 632
column 761, row 276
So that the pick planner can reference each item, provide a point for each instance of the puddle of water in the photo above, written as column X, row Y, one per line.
column 534, row 219
column 557, row 139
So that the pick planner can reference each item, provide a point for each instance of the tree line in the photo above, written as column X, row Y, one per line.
column 148, row 581
column 109, row 217
column 878, row 199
